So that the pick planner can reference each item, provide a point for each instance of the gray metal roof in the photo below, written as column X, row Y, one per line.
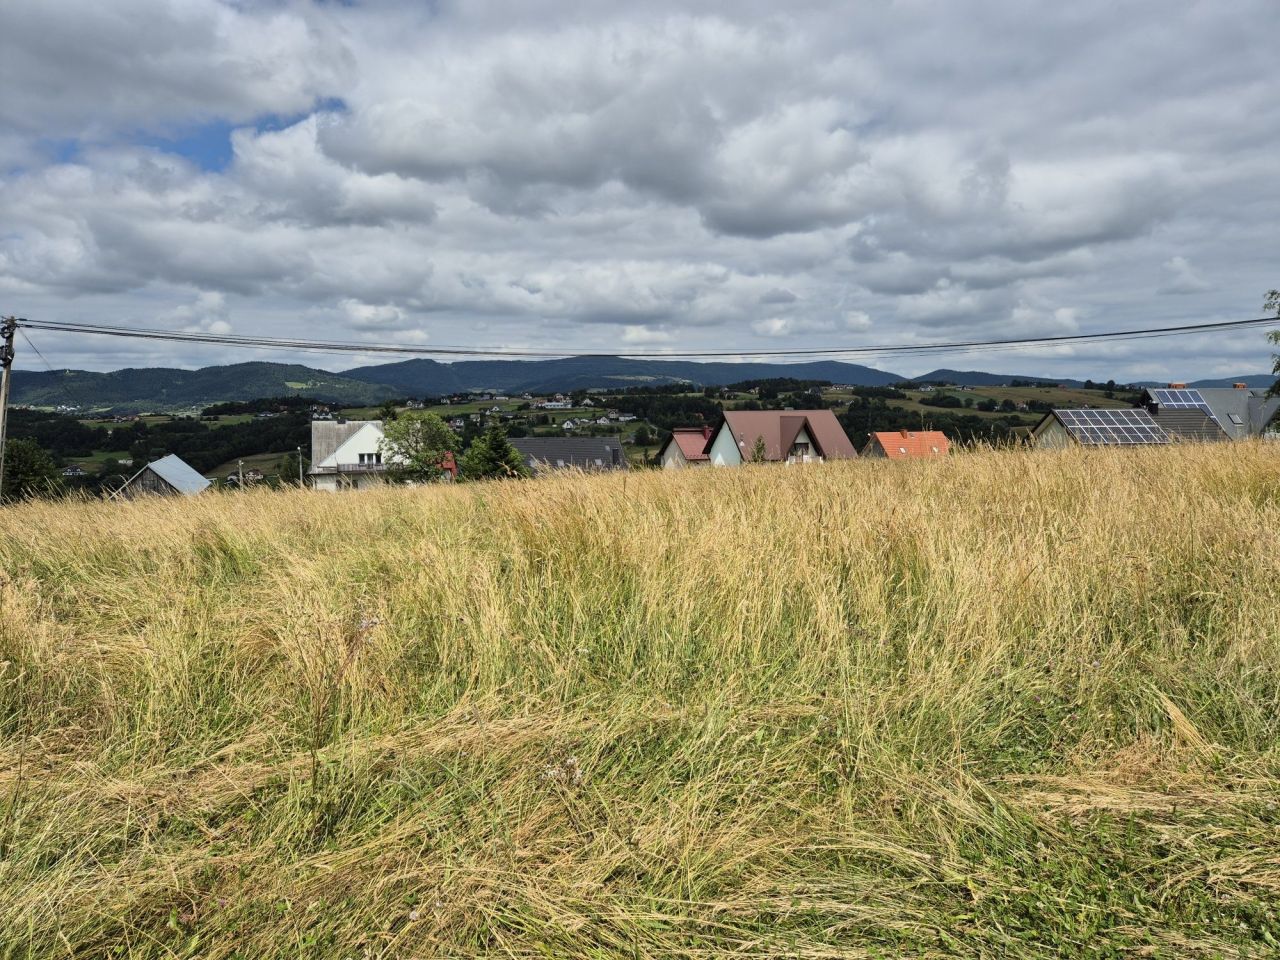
column 328, row 435
column 1242, row 412
column 585, row 453
column 179, row 474
column 1188, row 424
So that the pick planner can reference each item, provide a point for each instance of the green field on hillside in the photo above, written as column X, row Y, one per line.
column 1008, row 704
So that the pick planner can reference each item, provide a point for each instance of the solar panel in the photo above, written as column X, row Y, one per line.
column 1112, row 427
column 1181, row 399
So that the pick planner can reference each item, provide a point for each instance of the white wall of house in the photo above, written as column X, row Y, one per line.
column 360, row 446
column 724, row 450
column 673, row 457
column 803, row 438
column 1052, row 436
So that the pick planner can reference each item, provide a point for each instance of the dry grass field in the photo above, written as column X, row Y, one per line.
column 1006, row 705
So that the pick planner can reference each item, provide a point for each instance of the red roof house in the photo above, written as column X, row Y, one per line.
column 449, row 465
column 779, row 436
column 907, row 444
column 687, row 447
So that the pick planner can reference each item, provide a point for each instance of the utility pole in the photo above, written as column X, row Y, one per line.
column 8, row 327
column 300, row 467
column 240, row 475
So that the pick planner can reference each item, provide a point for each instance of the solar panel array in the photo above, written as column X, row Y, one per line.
column 1181, row 399
column 1112, row 427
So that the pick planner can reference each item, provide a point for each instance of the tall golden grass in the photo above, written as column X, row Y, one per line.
column 1009, row 704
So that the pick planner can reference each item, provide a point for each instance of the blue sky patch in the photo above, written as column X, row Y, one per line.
column 208, row 145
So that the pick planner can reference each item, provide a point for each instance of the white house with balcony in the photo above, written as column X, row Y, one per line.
column 346, row 454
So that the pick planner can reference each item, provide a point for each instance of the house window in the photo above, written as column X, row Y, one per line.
column 799, row 449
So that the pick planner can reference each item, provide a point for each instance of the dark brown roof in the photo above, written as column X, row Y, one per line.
column 780, row 427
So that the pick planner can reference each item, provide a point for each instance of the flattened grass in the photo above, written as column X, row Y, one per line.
column 1003, row 705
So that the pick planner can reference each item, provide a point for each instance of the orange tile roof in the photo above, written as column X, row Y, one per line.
column 905, row 444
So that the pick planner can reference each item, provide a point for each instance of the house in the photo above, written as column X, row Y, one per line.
column 346, row 454
column 785, row 436
column 686, row 447
column 1096, row 428
column 169, row 476
column 907, row 444
column 543, row 454
column 1240, row 412
column 74, row 472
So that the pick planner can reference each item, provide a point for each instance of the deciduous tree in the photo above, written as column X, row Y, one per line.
column 413, row 446
column 28, row 471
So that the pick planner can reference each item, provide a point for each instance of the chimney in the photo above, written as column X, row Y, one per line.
column 906, row 433
column 706, row 433
column 1177, row 386
column 1240, row 386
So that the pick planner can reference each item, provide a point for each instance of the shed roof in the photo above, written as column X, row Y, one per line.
column 179, row 474
column 1106, row 427
column 779, row 429
column 906, row 444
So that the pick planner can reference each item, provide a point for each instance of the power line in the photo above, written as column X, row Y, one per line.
column 322, row 346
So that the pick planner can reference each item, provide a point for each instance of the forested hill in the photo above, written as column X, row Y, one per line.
column 167, row 388
column 420, row 377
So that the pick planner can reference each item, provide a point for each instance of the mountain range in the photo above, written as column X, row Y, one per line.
column 167, row 388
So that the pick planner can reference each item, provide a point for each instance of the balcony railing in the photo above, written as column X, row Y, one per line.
column 352, row 468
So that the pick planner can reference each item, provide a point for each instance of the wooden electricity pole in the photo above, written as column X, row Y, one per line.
column 8, row 327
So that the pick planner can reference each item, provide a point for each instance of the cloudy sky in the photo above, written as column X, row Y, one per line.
column 600, row 176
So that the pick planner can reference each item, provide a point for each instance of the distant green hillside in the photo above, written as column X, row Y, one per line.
column 166, row 388
column 430, row 377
